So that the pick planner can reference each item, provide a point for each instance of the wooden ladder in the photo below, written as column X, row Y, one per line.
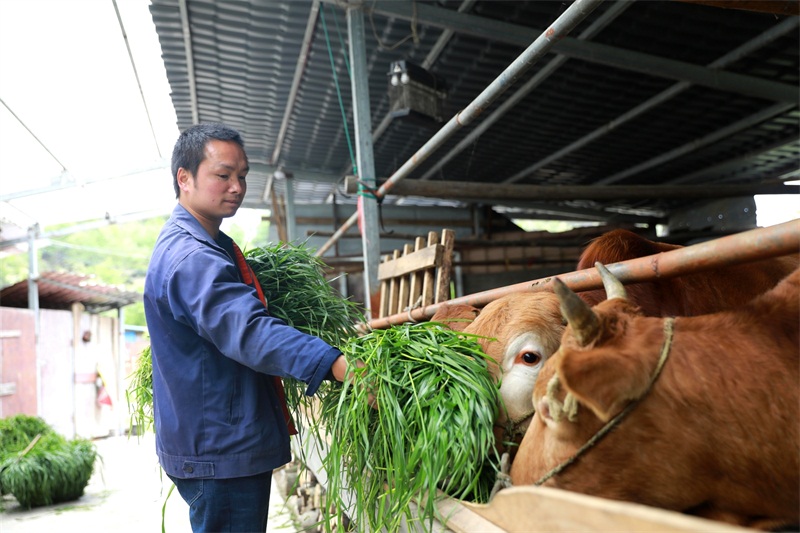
column 417, row 277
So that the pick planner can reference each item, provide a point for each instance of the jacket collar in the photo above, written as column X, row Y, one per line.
column 186, row 221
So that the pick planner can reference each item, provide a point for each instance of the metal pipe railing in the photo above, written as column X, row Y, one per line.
column 751, row 245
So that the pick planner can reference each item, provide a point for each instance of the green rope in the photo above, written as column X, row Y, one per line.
column 668, row 330
column 363, row 189
column 338, row 90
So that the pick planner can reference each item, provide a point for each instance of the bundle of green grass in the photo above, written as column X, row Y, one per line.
column 39, row 466
column 413, row 424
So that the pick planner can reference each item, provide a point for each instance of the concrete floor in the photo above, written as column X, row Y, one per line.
column 126, row 494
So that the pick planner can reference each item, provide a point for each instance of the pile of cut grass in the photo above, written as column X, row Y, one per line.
column 296, row 290
column 431, row 431
column 39, row 466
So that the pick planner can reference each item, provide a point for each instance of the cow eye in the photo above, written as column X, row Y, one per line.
column 530, row 358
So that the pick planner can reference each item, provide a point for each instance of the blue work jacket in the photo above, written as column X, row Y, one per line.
column 214, row 349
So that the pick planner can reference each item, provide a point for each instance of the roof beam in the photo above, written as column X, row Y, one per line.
column 187, row 48
column 429, row 61
column 302, row 61
column 777, row 7
column 498, row 193
column 711, row 138
column 616, row 9
column 714, row 172
column 574, row 14
column 664, row 96
column 495, row 30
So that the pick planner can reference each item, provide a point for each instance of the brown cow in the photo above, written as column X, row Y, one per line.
column 710, row 426
column 690, row 294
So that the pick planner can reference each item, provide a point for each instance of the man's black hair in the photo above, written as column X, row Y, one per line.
column 190, row 147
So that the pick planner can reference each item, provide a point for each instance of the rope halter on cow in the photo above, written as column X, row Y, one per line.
column 665, row 348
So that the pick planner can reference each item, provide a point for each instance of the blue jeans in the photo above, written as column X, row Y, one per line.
column 227, row 505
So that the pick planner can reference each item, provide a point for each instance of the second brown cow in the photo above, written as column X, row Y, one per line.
column 693, row 414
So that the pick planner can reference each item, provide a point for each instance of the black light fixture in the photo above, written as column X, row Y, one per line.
column 415, row 94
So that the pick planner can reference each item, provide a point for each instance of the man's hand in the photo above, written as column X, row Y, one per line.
column 339, row 370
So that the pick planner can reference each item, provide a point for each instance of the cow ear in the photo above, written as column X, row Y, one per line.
column 602, row 379
column 456, row 316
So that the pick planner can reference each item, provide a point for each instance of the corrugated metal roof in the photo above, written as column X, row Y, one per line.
column 646, row 93
column 59, row 290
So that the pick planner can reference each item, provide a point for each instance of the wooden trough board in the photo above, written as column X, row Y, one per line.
column 531, row 509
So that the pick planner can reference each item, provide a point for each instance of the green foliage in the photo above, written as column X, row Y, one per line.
column 116, row 254
column 134, row 314
column 13, row 268
column 294, row 284
column 261, row 234
column 431, row 431
column 139, row 394
column 17, row 431
column 236, row 233
column 39, row 466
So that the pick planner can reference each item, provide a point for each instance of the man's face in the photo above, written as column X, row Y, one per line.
column 217, row 191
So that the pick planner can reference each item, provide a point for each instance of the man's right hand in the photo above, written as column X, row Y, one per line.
column 339, row 371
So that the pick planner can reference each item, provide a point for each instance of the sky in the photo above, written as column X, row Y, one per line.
column 66, row 79
column 72, row 111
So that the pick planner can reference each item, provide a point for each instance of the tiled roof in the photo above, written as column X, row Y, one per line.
column 59, row 290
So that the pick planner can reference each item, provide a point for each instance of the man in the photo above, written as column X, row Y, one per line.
column 219, row 414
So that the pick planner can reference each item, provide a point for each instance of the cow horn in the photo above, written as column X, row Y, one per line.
column 614, row 288
column 585, row 324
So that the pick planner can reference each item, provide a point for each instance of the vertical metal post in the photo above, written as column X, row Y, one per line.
column 33, row 275
column 33, row 305
column 370, row 236
column 119, row 363
column 77, row 311
column 291, row 225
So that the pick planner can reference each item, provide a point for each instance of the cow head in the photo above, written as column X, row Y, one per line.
column 519, row 332
column 580, row 388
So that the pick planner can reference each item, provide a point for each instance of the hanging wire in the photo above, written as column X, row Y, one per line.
column 338, row 89
column 341, row 44
column 413, row 35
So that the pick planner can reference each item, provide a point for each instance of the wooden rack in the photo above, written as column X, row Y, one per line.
column 418, row 276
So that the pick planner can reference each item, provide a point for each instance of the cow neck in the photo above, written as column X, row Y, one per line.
column 603, row 431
